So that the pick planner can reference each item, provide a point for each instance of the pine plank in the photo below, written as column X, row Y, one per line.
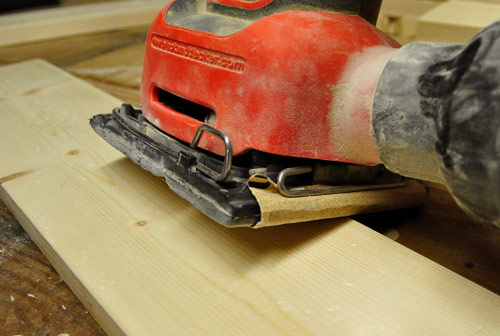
column 60, row 22
column 456, row 21
column 71, row 50
column 121, row 67
column 144, row 262
column 34, row 299
column 398, row 18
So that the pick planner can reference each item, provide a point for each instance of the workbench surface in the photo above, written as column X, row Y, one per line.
column 35, row 301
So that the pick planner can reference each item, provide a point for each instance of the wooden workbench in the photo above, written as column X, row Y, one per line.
column 439, row 231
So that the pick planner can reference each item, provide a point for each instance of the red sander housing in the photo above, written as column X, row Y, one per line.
column 278, row 89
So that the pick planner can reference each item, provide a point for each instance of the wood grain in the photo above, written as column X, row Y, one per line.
column 146, row 263
column 74, row 20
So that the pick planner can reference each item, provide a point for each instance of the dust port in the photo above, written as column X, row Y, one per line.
column 187, row 107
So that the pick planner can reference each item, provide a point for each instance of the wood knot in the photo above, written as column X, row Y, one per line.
column 141, row 223
column 74, row 152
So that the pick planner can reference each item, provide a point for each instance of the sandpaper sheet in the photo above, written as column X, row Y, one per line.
column 278, row 210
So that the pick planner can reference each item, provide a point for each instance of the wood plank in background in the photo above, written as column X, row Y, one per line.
column 68, row 51
column 117, row 72
column 456, row 21
column 122, row 67
column 74, row 20
column 146, row 262
column 398, row 18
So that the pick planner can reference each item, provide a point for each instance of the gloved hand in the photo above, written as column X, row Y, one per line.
column 436, row 116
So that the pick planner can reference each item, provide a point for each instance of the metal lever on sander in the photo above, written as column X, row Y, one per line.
column 436, row 117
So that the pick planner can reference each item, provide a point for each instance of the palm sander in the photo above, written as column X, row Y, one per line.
column 247, row 103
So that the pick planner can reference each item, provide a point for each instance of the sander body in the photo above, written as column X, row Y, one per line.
column 307, row 96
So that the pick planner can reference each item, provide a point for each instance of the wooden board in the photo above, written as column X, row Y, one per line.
column 398, row 18
column 456, row 21
column 82, row 19
column 34, row 299
column 69, row 51
column 120, row 67
column 145, row 262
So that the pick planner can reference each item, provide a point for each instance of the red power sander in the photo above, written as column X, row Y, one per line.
column 313, row 98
